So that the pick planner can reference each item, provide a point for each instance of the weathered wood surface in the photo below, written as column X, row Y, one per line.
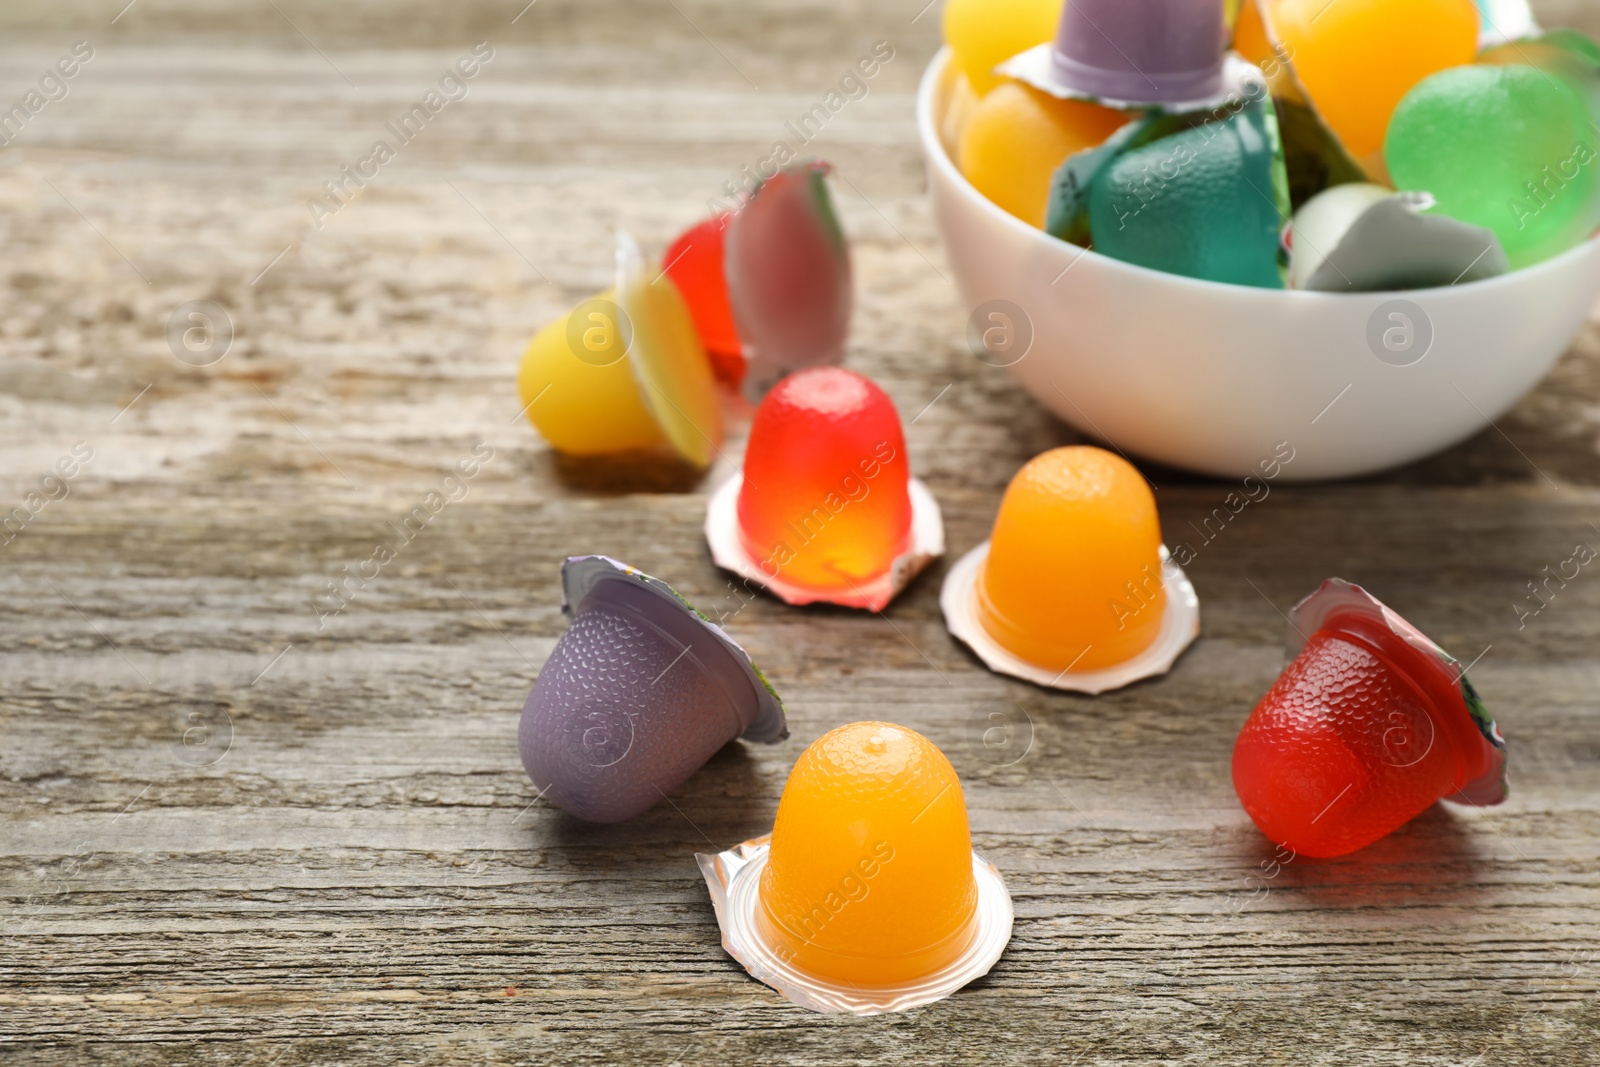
column 344, row 864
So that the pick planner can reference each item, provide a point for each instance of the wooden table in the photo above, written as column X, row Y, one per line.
column 231, row 835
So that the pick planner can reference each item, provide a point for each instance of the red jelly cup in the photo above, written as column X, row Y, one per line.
column 1369, row 726
column 694, row 263
column 826, row 508
column 826, row 492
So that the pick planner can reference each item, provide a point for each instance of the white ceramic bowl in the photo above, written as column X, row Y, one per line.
column 1212, row 377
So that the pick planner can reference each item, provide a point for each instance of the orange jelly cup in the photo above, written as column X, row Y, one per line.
column 1073, row 575
column 825, row 503
column 869, row 880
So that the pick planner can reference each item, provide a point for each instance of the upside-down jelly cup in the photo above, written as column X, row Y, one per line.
column 1218, row 216
column 1133, row 54
column 825, row 508
column 1369, row 726
column 867, row 896
column 638, row 693
column 1074, row 589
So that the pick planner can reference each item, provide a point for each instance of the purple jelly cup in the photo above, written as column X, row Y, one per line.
column 638, row 693
column 1160, row 51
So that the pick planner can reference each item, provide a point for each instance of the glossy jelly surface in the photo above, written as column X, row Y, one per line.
column 1358, row 736
column 578, row 387
column 694, row 263
column 1510, row 148
column 1073, row 576
column 1358, row 58
column 1017, row 136
column 870, row 875
column 1250, row 38
column 1207, row 202
column 985, row 33
column 825, row 500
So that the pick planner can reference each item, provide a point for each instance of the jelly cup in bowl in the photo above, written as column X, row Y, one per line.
column 1222, row 378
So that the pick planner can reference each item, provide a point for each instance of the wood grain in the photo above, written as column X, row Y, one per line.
column 346, row 864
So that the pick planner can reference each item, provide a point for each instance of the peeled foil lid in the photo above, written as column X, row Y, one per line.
column 1505, row 20
column 1180, row 625
column 1034, row 68
column 734, row 881
column 1335, row 595
column 729, row 553
column 1364, row 238
column 580, row 574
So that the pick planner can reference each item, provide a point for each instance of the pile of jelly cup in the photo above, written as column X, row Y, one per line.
column 1157, row 133
column 825, row 508
column 742, row 298
column 867, row 896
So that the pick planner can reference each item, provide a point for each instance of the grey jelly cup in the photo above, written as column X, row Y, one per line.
column 638, row 693
column 1155, row 50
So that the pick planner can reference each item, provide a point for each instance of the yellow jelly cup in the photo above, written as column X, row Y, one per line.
column 624, row 371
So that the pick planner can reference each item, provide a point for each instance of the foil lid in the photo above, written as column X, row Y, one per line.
column 733, row 879
column 729, row 552
column 1037, row 67
column 1505, row 20
column 668, row 361
column 1180, row 625
column 1365, row 238
column 787, row 264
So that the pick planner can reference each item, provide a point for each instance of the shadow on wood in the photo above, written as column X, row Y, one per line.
column 695, row 817
column 1433, row 859
column 625, row 472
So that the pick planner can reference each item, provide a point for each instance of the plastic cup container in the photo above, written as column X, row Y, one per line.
column 624, row 371
column 1141, row 49
column 1074, row 589
column 638, row 693
column 1169, row 55
column 1370, row 725
column 867, row 896
column 825, row 509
